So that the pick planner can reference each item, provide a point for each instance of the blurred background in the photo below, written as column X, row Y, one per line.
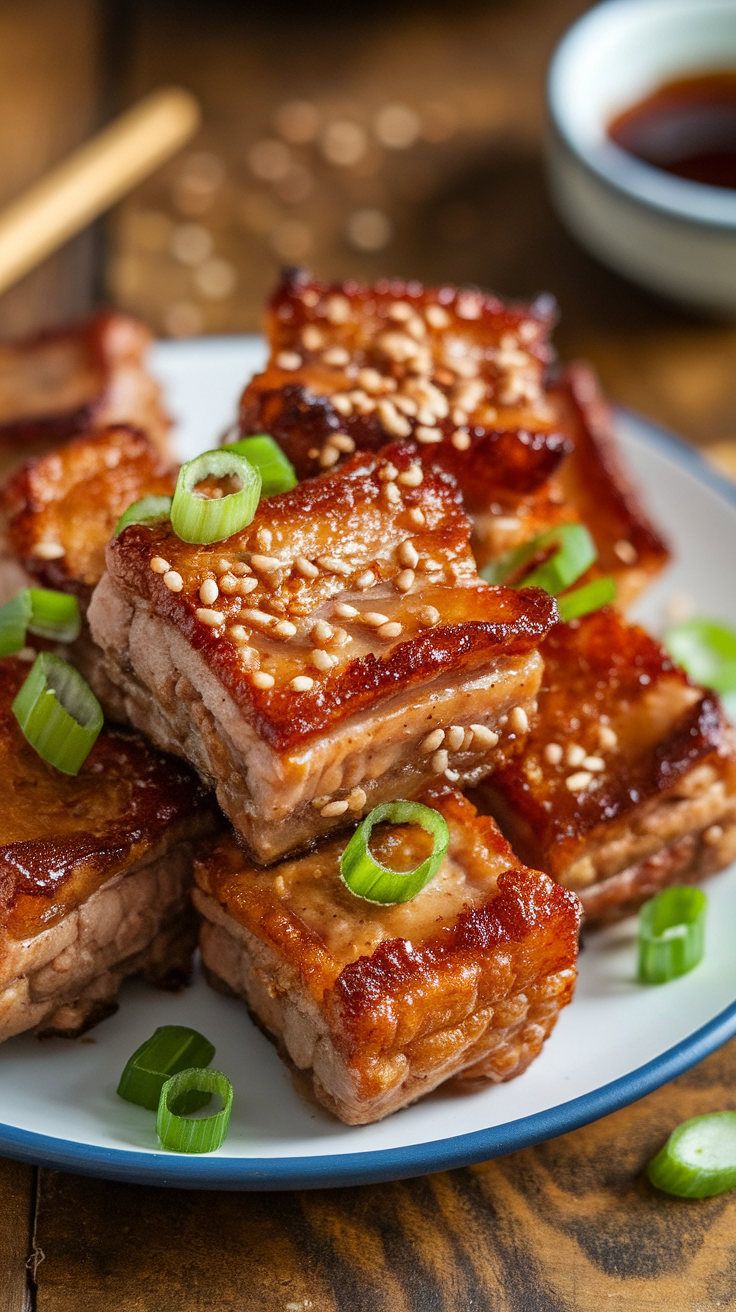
column 406, row 141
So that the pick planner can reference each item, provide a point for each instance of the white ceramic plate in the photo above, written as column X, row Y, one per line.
column 616, row 1042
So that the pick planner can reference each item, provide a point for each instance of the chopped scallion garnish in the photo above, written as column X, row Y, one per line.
column 48, row 614
column 149, row 510
column 367, row 878
column 575, row 552
column 706, row 650
column 199, row 518
column 276, row 470
column 170, row 1049
column 58, row 713
column 671, row 934
column 180, row 1134
column 699, row 1158
column 572, row 605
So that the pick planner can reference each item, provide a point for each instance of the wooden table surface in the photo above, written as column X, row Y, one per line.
column 569, row 1226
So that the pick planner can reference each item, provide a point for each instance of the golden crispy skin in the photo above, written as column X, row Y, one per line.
column 627, row 780
column 381, row 1004
column 61, row 509
column 68, row 380
column 339, row 648
column 62, row 837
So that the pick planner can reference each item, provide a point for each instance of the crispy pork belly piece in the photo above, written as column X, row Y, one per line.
column 627, row 781
column 381, row 1004
column 95, row 874
column 339, row 651
column 65, row 381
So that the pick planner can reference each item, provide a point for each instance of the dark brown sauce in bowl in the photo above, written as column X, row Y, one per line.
column 686, row 127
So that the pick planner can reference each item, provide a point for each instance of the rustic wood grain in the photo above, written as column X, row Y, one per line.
column 569, row 1226
column 17, row 1186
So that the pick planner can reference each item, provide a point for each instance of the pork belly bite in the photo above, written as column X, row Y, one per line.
column 69, row 380
column 627, row 781
column 95, row 874
column 380, row 1004
column 337, row 652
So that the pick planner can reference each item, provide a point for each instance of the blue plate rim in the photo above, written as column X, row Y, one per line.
column 334, row 1170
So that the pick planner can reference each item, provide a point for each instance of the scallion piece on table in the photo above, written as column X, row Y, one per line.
column 149, row 510
column 276, row 470
column 58, row 713
column 671, row 934
column 699, row 1158
column 48, row 614
column 198, row 518
column 180, row 1134
column 572, row 605
column 575, row 552
column 706, row 650
column 170, row 1049
column 367, row 878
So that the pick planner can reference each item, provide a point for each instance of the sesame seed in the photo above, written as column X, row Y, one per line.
column 288, row 360
column 229, row 583
column 400, row 312
column 264, row 538
column 266, row 564
column 341, row 638
column 302, row 683
column 279, row 885
column 262, row 680
column 312, row 337
column 594, row 763
column 440, row 761
column 575, row 754
column 361, row 401
column 454, row 737
column 507, row 523
column 239, row 569
column 337, row 309
column 174, row 582
column 432, row 741
column 406, row 405
column 49, row 550
column 258, row 617
column 306, row 568
column 321, row 631
column 607, row 737
column 437, row 317
column 387, row 473
column 342, row 403
column 247, row 585
column 209, row 591
column 483, row 736
column 519, row 720
column 346, row 612
column 408, row 554
column 459, row 416
column 237, row 633
column 333, row 565
column 366, row 580
column 343, row 442
column 222, row 565
column 337, row 356
column 713, row 834
column 374, row 618
column 553, row 753
column 370, row 380
column 285, row 629
column 577, row 783
column 391, row 420
column 452, row 776
column 322, row 660
column 626, row 552
column 334, row 808
column 321, row 801
column 460, row 441
column 416, row 327
column 412, row 477
column 391, row 630
column 405, row 580
column 417, row 517
column 159, row 565
column 212, row 618
column 392, row 493
column 357, row 799
column 328, row 456
column 429, row 615
column 427, row 435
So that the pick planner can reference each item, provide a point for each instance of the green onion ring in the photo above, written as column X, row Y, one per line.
column 699, row 1158
column 367, row 878
column 178, row 1133
column 170, row 1049
column 58, row 713
column 15, row 616
column 575, row 553
column 671, row 934
column 586, row 599
column 276, row 470
column 149, row 510
column 706, row 650
column 203, row 520
column 48, row 614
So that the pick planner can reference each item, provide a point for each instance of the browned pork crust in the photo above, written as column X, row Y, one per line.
column 381, row 1004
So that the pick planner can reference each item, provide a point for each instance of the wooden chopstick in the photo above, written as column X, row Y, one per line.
column 92, row 178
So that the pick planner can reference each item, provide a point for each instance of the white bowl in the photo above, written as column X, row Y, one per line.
column 672, row 235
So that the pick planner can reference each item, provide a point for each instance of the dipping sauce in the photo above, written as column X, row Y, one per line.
column 687, row 127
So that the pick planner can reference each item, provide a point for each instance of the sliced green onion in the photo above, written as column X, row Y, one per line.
column 203, row 520
column 58, row 713
column 178, row 1133
column 48, row 614
column 170, row 1049
column 149, row 510
column 586, row 599
column 575, row 553
column 671, row 934
column 374, row 882
column 699, row 1158
column 706, row 650
column 277, row 471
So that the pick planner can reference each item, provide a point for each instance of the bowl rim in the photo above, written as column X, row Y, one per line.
column 692, row 202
